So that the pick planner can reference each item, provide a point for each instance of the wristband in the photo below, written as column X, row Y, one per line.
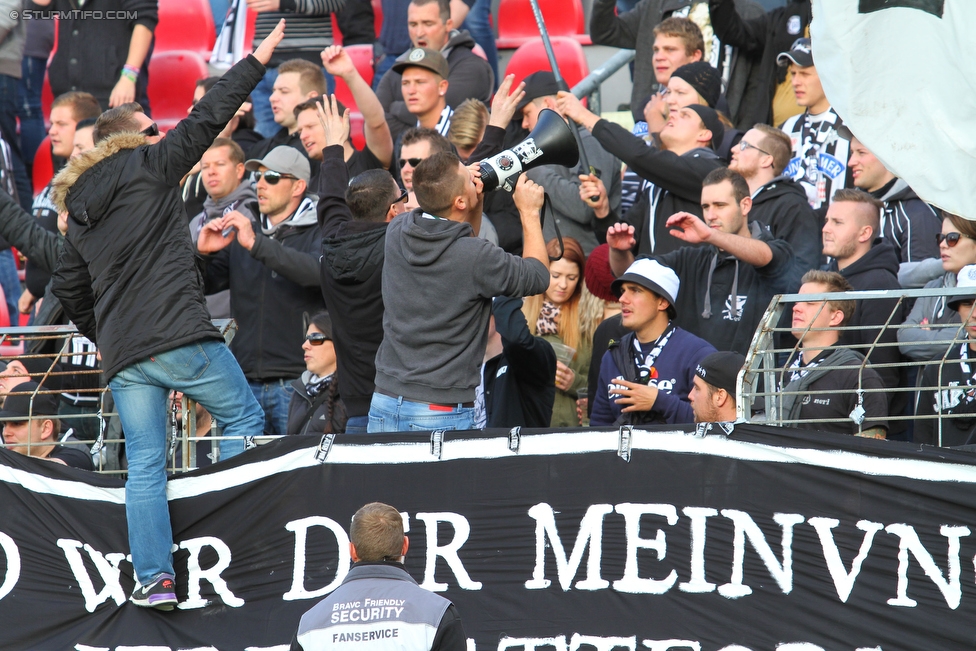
column 130, row 72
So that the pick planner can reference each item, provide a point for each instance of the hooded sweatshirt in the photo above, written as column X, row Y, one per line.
column 674, row 184
column 438, row 282
column 917, row 343
column 781, row 205
column 722, row 300
column 469, row 76
column 909, row 223
column 878, row 270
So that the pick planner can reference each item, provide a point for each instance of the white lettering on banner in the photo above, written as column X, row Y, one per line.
column 698, row 517
column 195, row 574
column 798, row 646
column 301, row 527
column 532, row 643
column 590, row 533
column 108, row 570
column 602, row 643
column 843, row 580
column 448, row 552
column 909, row 542
column 631, row 582
column 665, row 645
column 745, row 527
column 12, row 574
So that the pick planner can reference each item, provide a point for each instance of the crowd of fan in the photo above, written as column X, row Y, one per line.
column 380, row 289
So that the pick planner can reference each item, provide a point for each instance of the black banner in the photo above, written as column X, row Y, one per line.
column 763, row 539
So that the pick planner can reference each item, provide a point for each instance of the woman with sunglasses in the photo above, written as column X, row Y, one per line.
column 316, row 407
column 957, row 248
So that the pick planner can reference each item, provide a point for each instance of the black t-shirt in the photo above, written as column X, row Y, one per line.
column 74, row 457
column 833, row 396
column 362, row 160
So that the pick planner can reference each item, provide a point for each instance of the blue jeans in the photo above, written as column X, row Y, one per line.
column 29, row 110
column 11, row 285
column 261, row 101
column 219, row 9
column 477, row 23
column 388, row 414
column 357, row 424
column 274, row 398
column 205, row 371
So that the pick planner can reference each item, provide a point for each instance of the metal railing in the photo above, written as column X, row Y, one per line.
column 762, row 382
column 53, row 345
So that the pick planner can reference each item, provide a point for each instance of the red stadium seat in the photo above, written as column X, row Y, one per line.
column 516, row 22
column 362, row 57
column 47, row 98
column 356, row 125
column 43, row 169
column 377, row 16
column 249, row 28
column 531, row 57
column 172, row 78
column 185, row 25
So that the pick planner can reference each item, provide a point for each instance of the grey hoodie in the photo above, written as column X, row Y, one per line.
column 438, row 283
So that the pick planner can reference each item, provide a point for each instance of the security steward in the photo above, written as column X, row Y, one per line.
column 380, row 606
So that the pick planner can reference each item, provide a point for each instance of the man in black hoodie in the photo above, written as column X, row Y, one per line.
column 727, row 285
column 674, row 171
column 131, row 285
column 851, row 237
column 354, row 236
column 778, row 202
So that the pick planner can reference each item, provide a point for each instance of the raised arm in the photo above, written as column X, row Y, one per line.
column 379, row 140
column 691, row 229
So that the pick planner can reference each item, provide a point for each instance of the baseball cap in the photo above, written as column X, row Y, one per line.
column 422, row 57
column 22, row 403
column 651, row 275
column 800, row 53
column 703, row 78
column 720, row 369
column 965, row 278
column 709, row 118
column 284, row 160
column 538, row 84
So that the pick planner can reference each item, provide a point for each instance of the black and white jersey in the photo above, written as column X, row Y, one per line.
column 820, row 155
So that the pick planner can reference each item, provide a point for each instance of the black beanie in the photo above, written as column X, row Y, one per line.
column 703, row 78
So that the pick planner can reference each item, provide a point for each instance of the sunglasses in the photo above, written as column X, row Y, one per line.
column 316, row 338
column 743, row 145
column 272, row 177
column 151, row 131
column 414, row 162
column 951, row 239
column 403, row 197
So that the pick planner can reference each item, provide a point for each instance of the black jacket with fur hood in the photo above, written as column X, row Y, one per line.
column 128, row 275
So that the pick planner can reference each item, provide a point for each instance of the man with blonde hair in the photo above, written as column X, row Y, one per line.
column 402, row 615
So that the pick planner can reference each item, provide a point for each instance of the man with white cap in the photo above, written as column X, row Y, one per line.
column 954, row 373
column 647, row 375
column 712, row 397
column 272, row 272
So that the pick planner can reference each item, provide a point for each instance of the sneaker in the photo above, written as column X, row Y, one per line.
column 160, row 594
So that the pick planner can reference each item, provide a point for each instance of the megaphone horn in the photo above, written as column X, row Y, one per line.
column 551, row 143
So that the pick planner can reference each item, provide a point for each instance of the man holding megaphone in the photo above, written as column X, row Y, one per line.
column 438, row 284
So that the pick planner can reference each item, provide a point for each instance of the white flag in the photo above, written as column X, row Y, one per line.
column 902, row 75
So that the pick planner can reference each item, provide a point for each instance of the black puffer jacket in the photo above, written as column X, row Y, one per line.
column 323, row 413
column 128, row 275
